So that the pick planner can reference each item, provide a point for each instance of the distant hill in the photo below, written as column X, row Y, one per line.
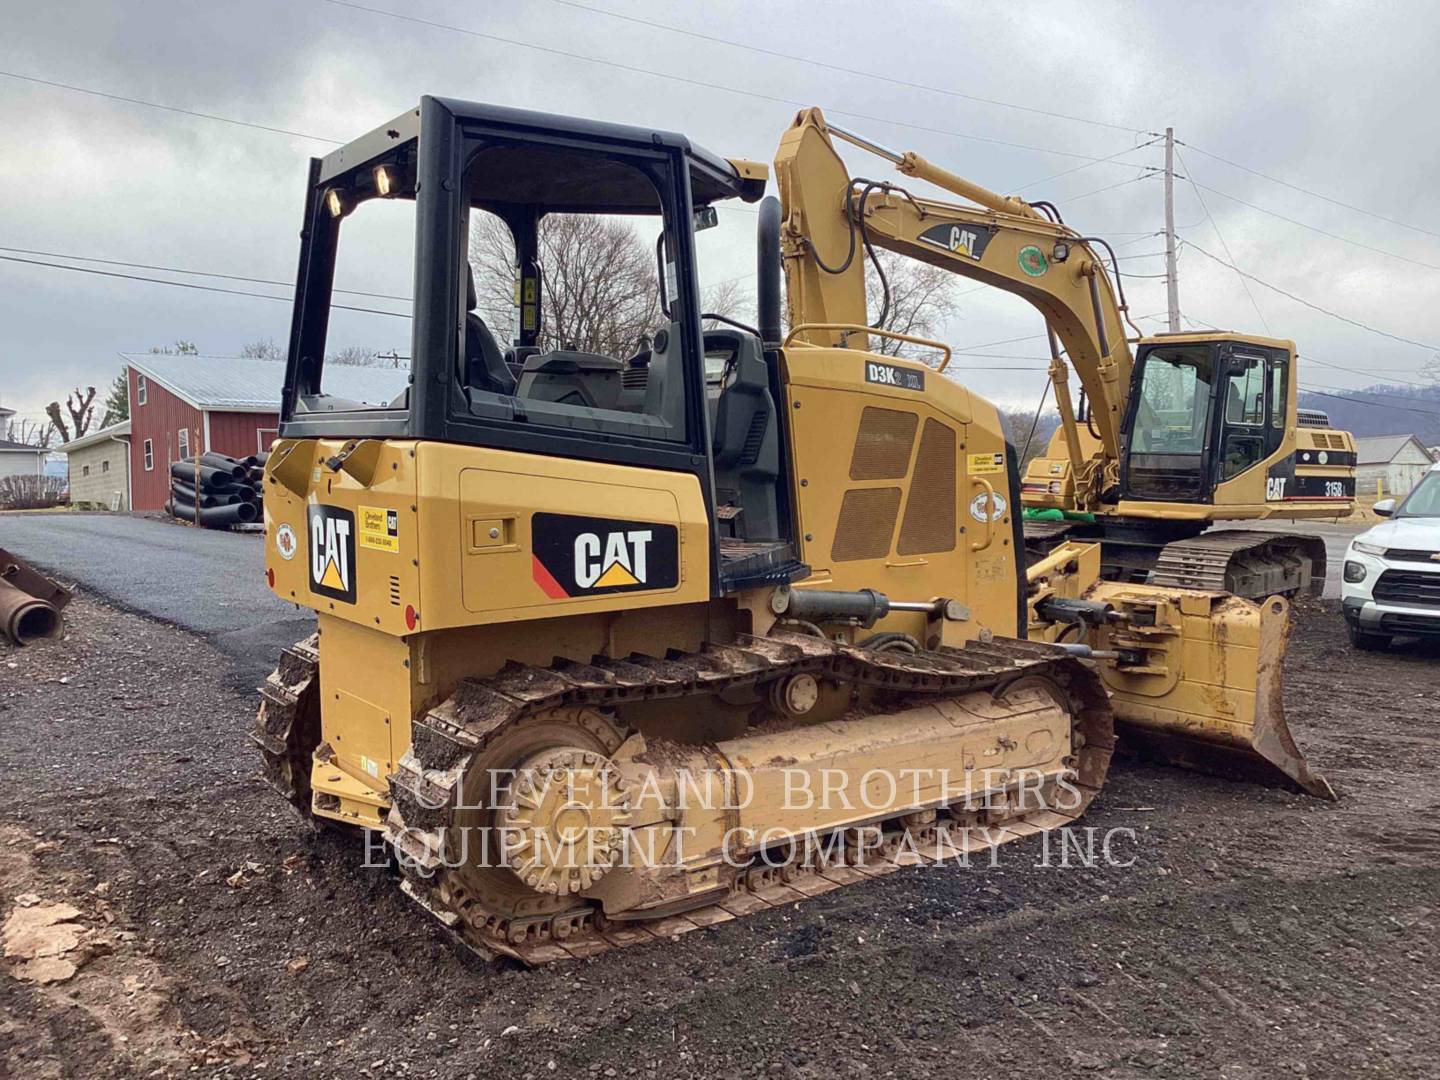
column 1383, row 409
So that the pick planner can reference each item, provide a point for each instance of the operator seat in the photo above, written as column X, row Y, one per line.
column 485, row 367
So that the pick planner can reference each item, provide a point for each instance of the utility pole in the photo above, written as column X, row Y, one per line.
column 1172, row 286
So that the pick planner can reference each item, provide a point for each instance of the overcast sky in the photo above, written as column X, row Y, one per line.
column 1332, row 97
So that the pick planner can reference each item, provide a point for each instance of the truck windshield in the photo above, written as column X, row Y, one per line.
column 1424, row 499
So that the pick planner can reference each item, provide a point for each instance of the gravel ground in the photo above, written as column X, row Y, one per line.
column 1257, row 933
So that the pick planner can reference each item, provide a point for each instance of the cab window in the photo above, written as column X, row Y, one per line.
column 587, row 339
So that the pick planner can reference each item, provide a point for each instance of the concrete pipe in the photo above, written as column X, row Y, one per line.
column 23, row 618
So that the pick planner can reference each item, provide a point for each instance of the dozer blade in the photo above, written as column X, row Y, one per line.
column 1198, row 683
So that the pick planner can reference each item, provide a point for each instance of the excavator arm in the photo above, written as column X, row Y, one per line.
column 1001, row 241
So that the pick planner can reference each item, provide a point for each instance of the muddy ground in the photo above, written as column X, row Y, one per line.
column 1257, row 933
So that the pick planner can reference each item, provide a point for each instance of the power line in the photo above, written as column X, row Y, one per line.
column 190, row 285
column 1364, row 374
column 1307, row 191
column 1097, row 161
column 169, row 108
column 1389, row 403
column 1067, row 200
column 1317, row 229
column 636, row 69
column 1221, row 236
column 1313, row 306
column 194, row 273
column 844, row 70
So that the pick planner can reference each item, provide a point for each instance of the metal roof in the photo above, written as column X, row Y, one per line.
column 1381, row 449
column 8, row 447
column 235, row 384
column 113, row 431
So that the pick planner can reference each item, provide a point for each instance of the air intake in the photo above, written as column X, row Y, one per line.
column 930, row 510
column 883, row 444
column 867, row 522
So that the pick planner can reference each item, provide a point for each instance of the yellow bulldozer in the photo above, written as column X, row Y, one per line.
column 615, row 647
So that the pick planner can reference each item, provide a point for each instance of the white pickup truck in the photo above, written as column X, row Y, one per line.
column 1391, row 581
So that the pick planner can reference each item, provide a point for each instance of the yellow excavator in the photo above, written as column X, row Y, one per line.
column 615, row 647
column 1189, row 429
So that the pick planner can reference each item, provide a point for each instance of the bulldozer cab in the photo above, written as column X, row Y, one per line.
column 1202, row 413
column 504, row 358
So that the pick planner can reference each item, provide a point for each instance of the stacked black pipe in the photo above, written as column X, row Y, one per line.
column 222, row 491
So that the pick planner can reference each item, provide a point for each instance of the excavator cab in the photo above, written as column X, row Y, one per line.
column 1201, row 413
column 548, row 369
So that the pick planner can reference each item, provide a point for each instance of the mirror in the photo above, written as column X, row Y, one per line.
column 704, row 217
column 1384, row 508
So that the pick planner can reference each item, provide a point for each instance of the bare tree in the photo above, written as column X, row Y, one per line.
column 262, row 349
column 600, row 291
column 180, row 348
column 81, row 406
column 31, row 432
column 354, row 356
column 727, row 297
column 921, row 297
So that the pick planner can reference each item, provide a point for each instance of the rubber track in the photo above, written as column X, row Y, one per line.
column 426, row 783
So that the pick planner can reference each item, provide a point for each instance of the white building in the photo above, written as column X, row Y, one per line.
column 99, row 468
column 18, row 459
column 1389, row 465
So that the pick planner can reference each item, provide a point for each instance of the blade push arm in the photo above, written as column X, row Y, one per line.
column 1002, row 242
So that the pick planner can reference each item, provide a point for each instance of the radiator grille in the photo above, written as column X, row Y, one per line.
column 867, row 522
column 882, row 444
column 1408, row 588
column 930, row 510
column 1337, row 442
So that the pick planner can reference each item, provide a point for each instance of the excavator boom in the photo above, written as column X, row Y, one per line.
column 1193, row 675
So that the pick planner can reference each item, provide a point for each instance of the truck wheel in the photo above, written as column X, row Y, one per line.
column 1368, row 642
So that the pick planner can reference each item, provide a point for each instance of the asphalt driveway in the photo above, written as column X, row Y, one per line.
column 206, row 581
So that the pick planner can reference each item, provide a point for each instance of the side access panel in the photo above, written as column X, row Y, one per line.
column 1198, row 683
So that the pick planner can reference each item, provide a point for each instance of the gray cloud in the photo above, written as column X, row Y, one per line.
column 1329, row 96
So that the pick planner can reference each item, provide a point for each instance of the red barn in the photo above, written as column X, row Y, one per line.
column 181, row 405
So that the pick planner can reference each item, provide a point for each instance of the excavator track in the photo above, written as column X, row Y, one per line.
column 287, row 728
column 1247, row 563
column 426, row 787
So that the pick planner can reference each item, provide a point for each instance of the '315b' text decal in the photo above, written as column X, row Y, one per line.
column 588, row 556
